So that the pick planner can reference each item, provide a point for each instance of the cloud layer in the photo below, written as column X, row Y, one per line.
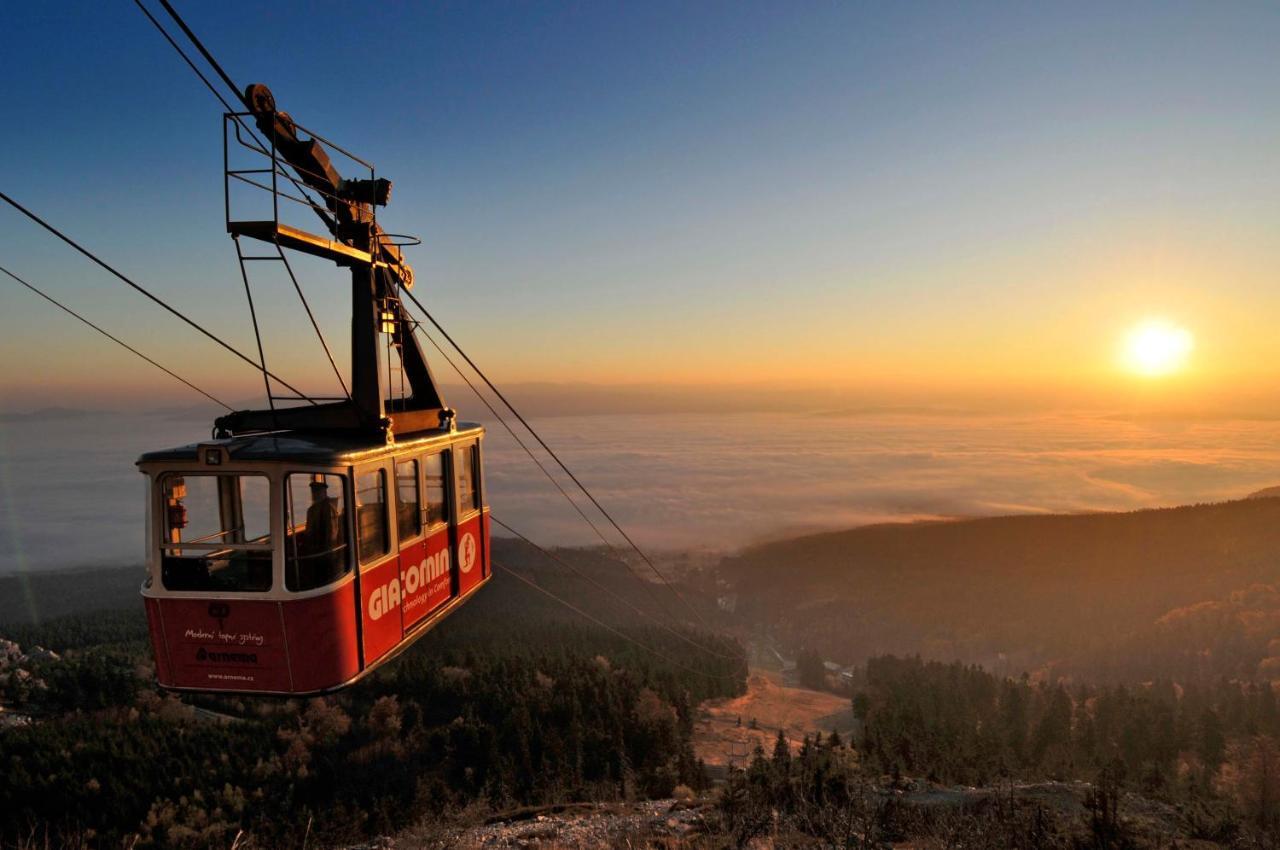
column 70, row 495
column 726, row 481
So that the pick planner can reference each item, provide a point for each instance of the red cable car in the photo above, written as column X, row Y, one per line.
column 290, row 564
column 305, row 545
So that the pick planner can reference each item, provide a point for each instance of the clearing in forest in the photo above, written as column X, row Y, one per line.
column 723, row 733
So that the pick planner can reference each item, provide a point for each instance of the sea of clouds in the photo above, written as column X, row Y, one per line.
column 70, row 494
column 727, row 481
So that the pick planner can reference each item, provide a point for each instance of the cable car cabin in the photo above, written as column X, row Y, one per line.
column 292, row 563
column 310, row 543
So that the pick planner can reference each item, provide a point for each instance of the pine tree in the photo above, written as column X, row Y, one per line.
column 1211, row 743
column 781, row 755
column 1051, row 741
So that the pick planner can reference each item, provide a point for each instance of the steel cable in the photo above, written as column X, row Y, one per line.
column 601, row 586
column 617, row 556
column 663, row 656
column 113, row 338
column 138, row 287
column 558, row 461
column 319, row 210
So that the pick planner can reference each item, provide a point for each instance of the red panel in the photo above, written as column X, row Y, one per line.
column 484, row 543
column 471, row 554
column 225, row 644
column 322, row 639
column 380, row 608
column 425, row 576
column 155, row 626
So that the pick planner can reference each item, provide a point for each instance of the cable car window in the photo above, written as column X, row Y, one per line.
column 216, row 533
column 371, row 514
column 315, row 522
column 433, row 472
column 468, row 493
column 408, row 507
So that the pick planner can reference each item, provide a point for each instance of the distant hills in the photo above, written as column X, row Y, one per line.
column 596, row 584
column 1265, row 493
column 47, row 414
column 36, row 597
column 1025, row 592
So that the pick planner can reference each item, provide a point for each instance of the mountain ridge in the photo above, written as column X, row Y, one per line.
column 1025, row 589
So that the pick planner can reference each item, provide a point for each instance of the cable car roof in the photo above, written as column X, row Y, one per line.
column 310, row 448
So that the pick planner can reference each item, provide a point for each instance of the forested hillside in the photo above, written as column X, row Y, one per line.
column 514, row 700
column 1013, row 593
column 951, row 756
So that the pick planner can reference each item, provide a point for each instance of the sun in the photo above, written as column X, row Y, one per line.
column 1156, row 348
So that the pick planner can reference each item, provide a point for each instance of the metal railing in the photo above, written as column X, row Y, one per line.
column 266, row 160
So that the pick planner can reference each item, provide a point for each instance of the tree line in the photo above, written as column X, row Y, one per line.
column 1212, row 745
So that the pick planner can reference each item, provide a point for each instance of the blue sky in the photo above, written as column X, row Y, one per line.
column 845, row 194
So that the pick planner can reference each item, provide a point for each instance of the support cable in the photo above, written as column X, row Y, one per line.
column 541, row 466
column 557, row 459
column 667, row 658
column 314, row 324
column 208, row 57
column 257, row 335
column 528, row 451
column 606, row 589
column 115, row 339
column 185, row 57
column 155, row 298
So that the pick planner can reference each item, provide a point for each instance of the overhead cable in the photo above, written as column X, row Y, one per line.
column 208, row 57
column 231, row 111
column 606, row 589
column 309, row 201
column 113, row 338
column 138, row 287
column 663, row 656
column 557, row 459
column 538, row 463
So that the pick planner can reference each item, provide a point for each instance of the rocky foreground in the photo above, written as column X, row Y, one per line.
column 942, row 816
column 652, row 823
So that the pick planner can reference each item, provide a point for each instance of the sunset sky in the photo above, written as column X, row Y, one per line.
column 893, row 201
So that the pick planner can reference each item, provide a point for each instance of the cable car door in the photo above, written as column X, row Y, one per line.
column 469, row 549
column 380, row 596
column 320, row 617
column 425, row 559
